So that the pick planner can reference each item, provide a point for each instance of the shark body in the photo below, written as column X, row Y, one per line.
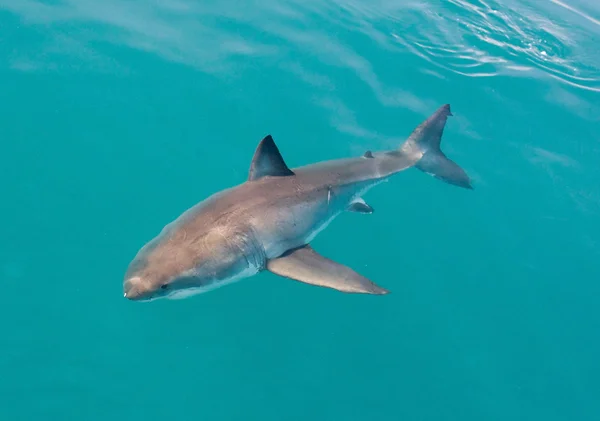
column 268, row 222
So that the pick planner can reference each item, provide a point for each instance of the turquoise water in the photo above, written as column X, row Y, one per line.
column 116, row 116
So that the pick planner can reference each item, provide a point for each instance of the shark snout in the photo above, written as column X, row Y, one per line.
column 136, row 288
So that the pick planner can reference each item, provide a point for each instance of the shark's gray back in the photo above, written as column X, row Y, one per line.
column 270, row 213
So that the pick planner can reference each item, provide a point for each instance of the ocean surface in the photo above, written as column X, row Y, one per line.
column 116, row 116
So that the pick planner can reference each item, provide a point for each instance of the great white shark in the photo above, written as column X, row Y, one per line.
column 268, row 222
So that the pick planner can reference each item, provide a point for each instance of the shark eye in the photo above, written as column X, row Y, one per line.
column 164, row 286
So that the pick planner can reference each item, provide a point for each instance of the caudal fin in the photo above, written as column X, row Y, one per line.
column 426, row 139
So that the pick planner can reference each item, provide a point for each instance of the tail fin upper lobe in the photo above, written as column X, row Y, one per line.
column 426, row 139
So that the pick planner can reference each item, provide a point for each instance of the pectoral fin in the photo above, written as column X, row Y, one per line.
column 306, row 265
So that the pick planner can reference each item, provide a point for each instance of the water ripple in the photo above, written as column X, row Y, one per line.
column 483, row 39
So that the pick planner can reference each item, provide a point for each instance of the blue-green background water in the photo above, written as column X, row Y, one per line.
column 116, row 116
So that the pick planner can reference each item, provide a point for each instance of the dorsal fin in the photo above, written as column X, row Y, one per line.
column 267, row 160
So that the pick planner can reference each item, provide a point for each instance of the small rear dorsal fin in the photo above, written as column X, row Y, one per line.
column 267, row 161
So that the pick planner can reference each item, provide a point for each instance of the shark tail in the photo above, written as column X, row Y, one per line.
column 425, row 141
